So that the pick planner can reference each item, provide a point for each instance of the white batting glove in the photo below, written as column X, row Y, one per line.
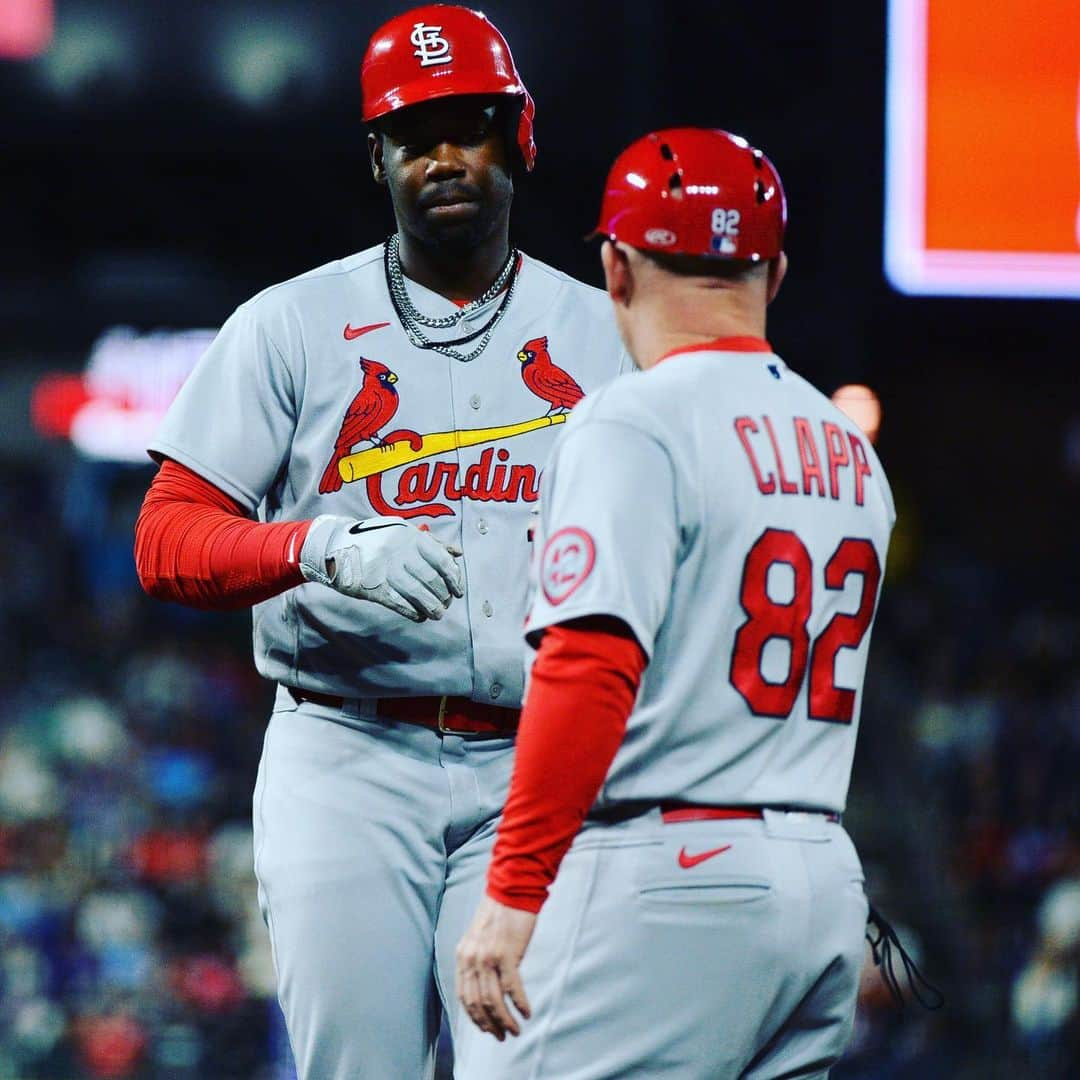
column 385, row 560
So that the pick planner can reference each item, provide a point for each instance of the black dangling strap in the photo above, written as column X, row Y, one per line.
column 882, row 947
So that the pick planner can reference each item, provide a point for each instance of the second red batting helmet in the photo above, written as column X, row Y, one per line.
column 695, row 191
column 441, row 50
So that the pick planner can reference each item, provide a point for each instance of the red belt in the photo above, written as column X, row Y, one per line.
column 676, row 812
column 446, row 715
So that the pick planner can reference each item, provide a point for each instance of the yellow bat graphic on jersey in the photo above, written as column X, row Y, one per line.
column 379, row 459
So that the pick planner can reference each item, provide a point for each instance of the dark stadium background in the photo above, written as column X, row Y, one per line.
column 139, row 187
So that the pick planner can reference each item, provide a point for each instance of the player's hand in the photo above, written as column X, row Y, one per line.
column 487, row 967
column 385, row 560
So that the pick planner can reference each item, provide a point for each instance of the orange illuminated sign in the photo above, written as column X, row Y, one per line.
column 983, row 147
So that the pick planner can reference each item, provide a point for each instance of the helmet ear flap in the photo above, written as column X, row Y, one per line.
column 525, row 144
column 517, row 128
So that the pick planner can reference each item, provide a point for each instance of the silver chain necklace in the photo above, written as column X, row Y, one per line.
column 413, row 320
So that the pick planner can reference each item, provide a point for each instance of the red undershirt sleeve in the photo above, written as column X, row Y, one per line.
column 581, row 693
column 196, row 545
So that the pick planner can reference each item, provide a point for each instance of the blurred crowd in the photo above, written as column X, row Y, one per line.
column 966, row 810
column 130, row 940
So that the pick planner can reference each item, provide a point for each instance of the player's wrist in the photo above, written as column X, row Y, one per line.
column 313, row 553
column 531, row 900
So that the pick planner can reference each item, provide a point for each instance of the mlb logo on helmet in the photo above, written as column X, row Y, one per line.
column 725, row 227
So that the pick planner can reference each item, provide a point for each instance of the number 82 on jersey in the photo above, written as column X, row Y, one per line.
column 768, row 619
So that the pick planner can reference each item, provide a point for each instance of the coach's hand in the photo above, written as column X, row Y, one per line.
column 385, row 560
column 487, row 967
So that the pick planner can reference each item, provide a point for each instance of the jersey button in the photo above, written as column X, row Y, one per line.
column 487, row 609
column 481, row 526
column 474, row 401
column 496, row 689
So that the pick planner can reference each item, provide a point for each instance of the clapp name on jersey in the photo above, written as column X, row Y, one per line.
column 826, row 443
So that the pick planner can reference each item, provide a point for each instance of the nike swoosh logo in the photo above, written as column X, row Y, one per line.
column 686, row 861
column 363, row 526
column 352, row 335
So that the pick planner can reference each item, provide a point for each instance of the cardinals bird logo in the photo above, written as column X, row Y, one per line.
column 371, row 410
column 491, row 477
column 547, row 381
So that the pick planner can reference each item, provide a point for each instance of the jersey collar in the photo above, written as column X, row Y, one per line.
column 745, row 343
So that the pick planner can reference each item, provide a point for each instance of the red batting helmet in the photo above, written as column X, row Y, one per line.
column 441, row 50
column 695, row 191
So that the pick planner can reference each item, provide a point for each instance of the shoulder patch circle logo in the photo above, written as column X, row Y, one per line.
column 568, row 560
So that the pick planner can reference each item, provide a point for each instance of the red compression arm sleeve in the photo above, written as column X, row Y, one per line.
column 581, row 693
column 197, row 546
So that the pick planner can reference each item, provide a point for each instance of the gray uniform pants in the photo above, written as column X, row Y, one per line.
column 744, row 964
column 372, row 840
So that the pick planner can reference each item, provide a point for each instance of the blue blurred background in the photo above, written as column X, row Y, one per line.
column 162, row 162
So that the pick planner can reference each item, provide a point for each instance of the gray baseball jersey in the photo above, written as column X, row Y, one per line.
column 372, row 837
column 312, row 400
column 738, row 523
column 743, row 541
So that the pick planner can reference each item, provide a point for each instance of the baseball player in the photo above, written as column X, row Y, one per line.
column 692, row 710
column 385, row 417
